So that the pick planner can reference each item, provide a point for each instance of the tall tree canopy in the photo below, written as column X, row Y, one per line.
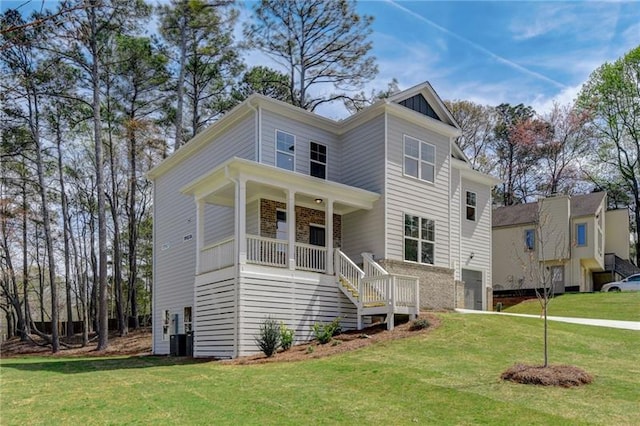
column 317, row 42
column 612, row 98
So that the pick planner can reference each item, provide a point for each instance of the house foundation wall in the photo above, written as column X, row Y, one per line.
column 437, row 285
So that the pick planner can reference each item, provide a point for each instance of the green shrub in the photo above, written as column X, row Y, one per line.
column 310, row 349
column 268, row 338
column 324, row 332
column 419, row 324
column 286, row 336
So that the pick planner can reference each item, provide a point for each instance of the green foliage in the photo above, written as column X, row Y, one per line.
column 268, row 339
column 419, row 324
column 286, row 337
column 311, row 349
column 324, row 332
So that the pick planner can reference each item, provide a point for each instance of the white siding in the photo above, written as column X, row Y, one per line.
column 476, row 235
column 457, row 210
column 414, row 196
column 253, row 217
column 304, row 134
column 214, row 320
column 297, row 298
column 363, row 167
column 174, row 218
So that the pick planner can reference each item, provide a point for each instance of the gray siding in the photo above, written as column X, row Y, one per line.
column 214, row 320
column 174, row 218
column 408, row 195
column 457, row 210
column 363, row 167
column 298, row 299
column 304, row 134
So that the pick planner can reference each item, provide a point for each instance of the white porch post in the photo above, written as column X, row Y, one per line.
column 328, row 221
column 291, row 224
column 199, row 233
column 241, row 218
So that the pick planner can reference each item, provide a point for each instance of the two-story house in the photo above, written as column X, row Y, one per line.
column 575, row 239
column 274, row 211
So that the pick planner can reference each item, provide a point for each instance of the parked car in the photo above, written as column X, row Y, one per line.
column 631, row 283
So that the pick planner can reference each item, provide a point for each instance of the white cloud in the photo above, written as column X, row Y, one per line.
column 543, row 104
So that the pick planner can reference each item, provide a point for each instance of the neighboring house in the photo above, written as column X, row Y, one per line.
column 581, row 243
column 274, row 211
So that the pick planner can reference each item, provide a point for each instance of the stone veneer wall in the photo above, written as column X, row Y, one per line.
column 459, row 294
column 437, row 286
column 304, row 217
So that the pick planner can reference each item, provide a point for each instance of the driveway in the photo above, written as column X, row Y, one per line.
column 626, row 325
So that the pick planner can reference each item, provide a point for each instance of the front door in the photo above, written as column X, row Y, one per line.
column 472, row 289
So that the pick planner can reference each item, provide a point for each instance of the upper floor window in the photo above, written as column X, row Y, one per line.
column 530, row 239
column 581, row 234
column 419, row 239
column 471, row 205
column 419, row 159
column 318, row 160
column 285, row 150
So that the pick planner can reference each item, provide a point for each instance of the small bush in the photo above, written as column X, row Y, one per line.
column 324, row 332
column 310, row 349
column 419, row 324
column 268, row 339
column 286, row 337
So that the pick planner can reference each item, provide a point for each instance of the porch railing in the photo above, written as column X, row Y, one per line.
column 217, row 255
column 311, row 258
column 267, row 251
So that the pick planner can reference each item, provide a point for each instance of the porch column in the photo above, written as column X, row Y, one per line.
column 328, row 221
column 291, row 224
column 199, row 233
column 241, row 220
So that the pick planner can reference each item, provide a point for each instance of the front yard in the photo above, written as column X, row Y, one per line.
column 448, row 376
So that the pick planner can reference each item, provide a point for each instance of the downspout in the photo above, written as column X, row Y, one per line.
column 154, row 276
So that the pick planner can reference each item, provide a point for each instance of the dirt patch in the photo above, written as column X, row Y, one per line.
column 138, row 343
column 554, row 375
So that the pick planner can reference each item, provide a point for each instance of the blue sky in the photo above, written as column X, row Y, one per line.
column 487, row 52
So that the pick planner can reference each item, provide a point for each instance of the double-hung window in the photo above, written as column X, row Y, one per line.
column 419, row 239
column 471, row 205
column 166, row 322
column 188, row 319
column 419, row 159
column 318, row 160
column 285, row 150
column 581, row 234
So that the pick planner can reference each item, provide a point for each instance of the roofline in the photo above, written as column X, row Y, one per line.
column 468, row 172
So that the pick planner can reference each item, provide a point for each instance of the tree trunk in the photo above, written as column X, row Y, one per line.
column 133, row 230
column 180, row 82
column 25, row 263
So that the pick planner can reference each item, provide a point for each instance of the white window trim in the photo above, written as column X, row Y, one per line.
column 325, row 164
column 286, row 221
column 586, row 234
column 474, row 206
column 420, row 240
column 166, row 324
column 275, row 140
column 317, row 225
column 184, row 319
column 419, row 159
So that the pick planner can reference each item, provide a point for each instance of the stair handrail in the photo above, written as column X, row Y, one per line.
column 348, row 270
column 371, row 267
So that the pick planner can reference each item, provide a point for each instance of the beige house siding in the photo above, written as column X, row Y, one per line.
column 617, row 233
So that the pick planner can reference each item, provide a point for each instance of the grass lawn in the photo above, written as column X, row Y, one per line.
column 613, row 306
column 450, row 376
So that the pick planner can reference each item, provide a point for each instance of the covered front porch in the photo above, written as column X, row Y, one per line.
column 274, row 217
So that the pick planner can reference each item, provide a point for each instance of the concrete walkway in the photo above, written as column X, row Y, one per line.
column 626, row 325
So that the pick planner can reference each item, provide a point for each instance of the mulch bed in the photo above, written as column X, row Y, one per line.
column 554, row 375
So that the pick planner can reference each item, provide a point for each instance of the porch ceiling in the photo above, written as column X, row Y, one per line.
column 218, row 187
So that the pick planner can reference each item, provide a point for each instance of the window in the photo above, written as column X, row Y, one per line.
column 317, row 235
column 187, row 319
column 581, row 234
column 166, row 321
column 419, row 239
column 530, row 239
column 318, row 160
column 282, row 230
column 471, row 205
column 285, row 150
column 419, row 159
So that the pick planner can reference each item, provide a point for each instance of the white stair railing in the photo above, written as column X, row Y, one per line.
column 347, row 271
column 371, row 267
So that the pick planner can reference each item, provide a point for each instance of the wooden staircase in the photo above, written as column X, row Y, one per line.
column 374, row 291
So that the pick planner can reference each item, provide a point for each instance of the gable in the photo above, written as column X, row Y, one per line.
column 419, row 104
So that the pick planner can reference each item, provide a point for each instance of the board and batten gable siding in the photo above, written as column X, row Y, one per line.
column 174, row 219
column 476, row 235
column 409, row 195
column 304, row 134
column 363, row 167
